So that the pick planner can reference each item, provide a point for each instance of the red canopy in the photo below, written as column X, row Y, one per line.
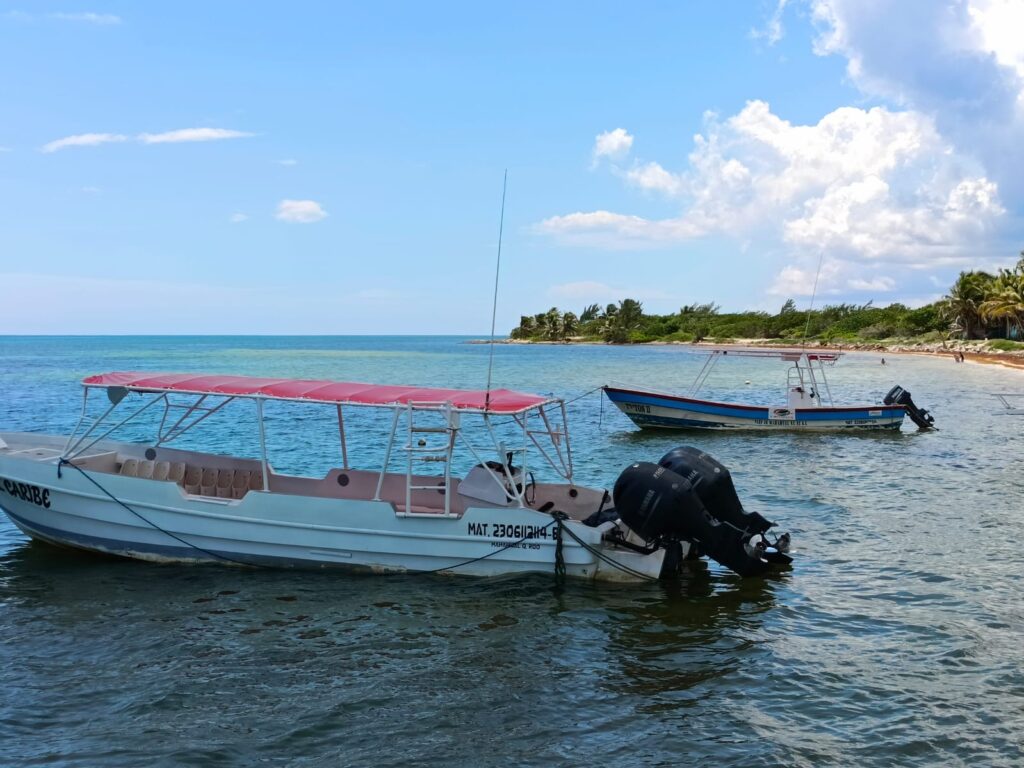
column 314, row 391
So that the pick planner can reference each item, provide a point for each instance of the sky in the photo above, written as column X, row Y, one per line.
column 332, row 168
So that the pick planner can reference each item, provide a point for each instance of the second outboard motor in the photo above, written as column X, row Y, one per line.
column 660, row 505
column 712, row 482
column 899, row 396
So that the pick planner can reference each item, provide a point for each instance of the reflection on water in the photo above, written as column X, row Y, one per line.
column 895, row 638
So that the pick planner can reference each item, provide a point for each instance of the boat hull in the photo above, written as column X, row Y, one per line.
column 156, row 521
column 650, row 410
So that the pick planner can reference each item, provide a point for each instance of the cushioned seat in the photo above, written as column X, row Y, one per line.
column 130, row 467
column 161, row 470
column 240, row 484
column 208, row 485
column 176, row 473
column 145, row 469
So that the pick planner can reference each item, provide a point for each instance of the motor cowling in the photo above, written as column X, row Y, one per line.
column 659, row 504
column 712, row 482
column 920, row 416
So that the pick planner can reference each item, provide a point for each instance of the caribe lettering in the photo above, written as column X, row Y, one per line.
column 33, row 494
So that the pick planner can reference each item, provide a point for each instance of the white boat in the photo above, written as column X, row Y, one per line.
column 808, row 404
column 154, row 502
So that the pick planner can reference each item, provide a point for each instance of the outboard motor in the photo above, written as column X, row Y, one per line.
column 661, row 505
column 712, row 482
column 899, row 396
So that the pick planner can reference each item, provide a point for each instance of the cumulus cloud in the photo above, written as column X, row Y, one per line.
column 300, row 211
column 612, row 144
column 83, row 140
column 287, row 162
column 191, row 134
column 100, row 19
column 961, row 61
column 238, row 218
column 864, row 184
column 653, row 177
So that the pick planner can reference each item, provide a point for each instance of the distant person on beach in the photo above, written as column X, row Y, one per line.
column 883, row 361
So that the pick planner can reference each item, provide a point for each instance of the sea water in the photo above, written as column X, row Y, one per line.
column 894, row 640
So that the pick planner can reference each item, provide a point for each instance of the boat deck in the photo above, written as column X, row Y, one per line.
column 230, row 479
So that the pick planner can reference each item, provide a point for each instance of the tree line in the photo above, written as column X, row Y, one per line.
column 979, row 305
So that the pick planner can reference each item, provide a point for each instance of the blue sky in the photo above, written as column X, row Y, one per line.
column 238, row 167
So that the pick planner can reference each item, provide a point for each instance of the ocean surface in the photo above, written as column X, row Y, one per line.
column 896, row 639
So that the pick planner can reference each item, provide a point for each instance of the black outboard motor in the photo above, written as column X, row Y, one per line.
column 712, row 482
column 660, row 505
column 899, row 396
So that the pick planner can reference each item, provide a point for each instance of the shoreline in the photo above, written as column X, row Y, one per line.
column 973, row 351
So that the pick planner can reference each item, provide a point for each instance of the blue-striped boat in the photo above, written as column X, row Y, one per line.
column 808, row 405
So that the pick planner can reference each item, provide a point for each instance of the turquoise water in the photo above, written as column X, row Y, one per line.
column 894, row 640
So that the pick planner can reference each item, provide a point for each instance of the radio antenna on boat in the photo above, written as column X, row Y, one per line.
column 814, row 292
column 494, row 306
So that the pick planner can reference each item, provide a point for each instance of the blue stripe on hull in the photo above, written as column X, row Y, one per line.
column 758, row 417
column 642, row 420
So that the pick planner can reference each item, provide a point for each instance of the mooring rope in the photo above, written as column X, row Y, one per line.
column 62, row 462
column 558, row 519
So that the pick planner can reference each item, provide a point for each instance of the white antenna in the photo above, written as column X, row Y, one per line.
column 814, row 292
column 494, row 307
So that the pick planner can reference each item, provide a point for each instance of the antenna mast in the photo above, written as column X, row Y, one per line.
column 494, row 306
column 814, row 292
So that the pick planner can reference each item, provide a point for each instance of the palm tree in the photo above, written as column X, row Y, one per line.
column 553, row 324
column 1006, row 300
column 962, row 307
column 570, row 325
column 621, row 322
column 590, row 312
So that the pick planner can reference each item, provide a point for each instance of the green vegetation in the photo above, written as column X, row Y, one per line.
column 979, row 306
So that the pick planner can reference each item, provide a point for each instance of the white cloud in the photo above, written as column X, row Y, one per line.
column 100, row 19
column 300, row 211
column 91, row 190
column 191, row 134
column 960, row 60
column 998, row 25
column 168, row 137
column 796, row 281
column 861, row 184
column 881, row 283
column 772, row 31
column 612, row 144
column 83, row 140
column 615, row 230
column 654, row 178
column 287, row 162
column 238, row 218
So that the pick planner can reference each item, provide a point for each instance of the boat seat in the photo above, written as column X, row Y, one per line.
column 130, row 467
column 225, row 478
column 145, row 469
column 161, row 470
column 208, row 484
column 240, row 483
column 176, row 473
column 256, row 480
